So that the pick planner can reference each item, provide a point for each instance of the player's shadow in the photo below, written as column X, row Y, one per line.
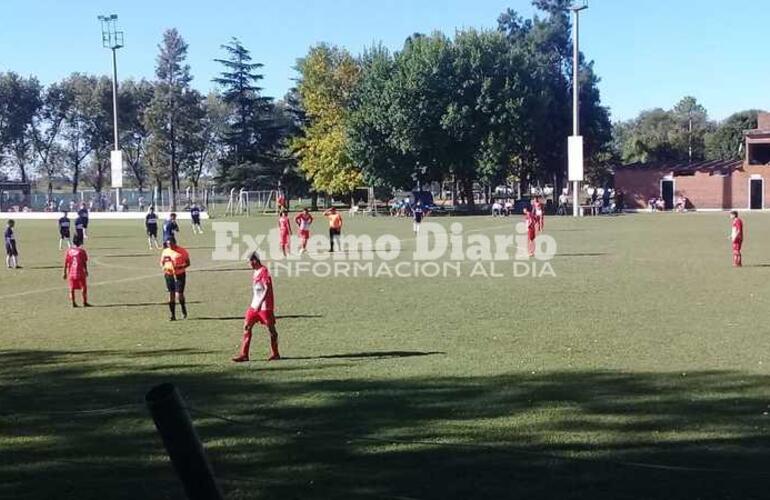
column 585, row 254
column 126, row 256
column 226, row 270
column 369, row 355
column 42, row 268
column 139, row 304
column 240, row 318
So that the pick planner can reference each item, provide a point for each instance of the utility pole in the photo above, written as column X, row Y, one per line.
column 113, row 39
column 576, row 101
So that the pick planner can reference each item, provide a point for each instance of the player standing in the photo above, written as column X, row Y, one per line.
column 335, row 228
column 64, row 231
column 539, row 214
column 151, row 227
column 80, row 227
column 531, row 222
column 174, row 261
column 284, row 232
column 170, row 227
column 11, row 251
column 195, row 215
column 736, row 236
column 260, row 311
column 76, row 271
column 83, row 216
column 417, row 215
column 303, row 221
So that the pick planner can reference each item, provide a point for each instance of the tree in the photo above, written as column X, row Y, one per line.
column 20, row 101
column 692, row 125
column 47, row 128
column 169, row 119
column 134, row 101
column 328, row 76
column 77, row 143
column 726, row 141
column 253, row 135
column 205, row 146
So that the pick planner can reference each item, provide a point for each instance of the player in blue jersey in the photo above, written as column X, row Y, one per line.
column 195, row 215
column 11, row 250
column 64, row 231
column 170, row 227
column 83, row 216
column 151, row 227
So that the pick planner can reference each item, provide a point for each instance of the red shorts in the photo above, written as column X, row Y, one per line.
column 77, row 283
column 737, row 245
column 253, row 317
column 304, row 234
column 531, row 234
column 284, row 239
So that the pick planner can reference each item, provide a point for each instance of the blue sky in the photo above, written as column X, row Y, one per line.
column 649, row 53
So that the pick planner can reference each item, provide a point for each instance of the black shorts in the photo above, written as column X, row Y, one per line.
column 334, row 231
column 196, row 221
column 10, row 248
column 152, row 231
column 176, row 283
column 65, row 235
column 85, row 223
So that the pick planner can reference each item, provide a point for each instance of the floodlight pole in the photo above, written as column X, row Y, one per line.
column 576, row 98
column 113, row 40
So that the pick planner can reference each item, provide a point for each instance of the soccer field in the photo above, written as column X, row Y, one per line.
column 639, row 371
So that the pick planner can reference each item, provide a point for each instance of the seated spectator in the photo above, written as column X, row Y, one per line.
column 508, row 208
column 497, row 209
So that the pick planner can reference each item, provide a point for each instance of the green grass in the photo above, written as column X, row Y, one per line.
column 647, row 348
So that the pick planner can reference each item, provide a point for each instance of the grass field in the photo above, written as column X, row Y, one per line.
column 639, row 371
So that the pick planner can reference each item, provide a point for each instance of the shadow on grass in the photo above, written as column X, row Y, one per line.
column 139, row 304
column 579, row 255
column 240, row 318
column 366, row 355
column 73, row 426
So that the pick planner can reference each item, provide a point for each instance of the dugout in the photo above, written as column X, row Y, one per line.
column 708, row 185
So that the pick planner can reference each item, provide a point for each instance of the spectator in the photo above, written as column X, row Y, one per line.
column 497, row 209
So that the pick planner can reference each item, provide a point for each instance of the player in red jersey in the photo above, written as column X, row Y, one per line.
column 260, row 311
column 303, row 221
column 284, row 231
column 531, row 222
column 736, row 236
column 76, row 271
column 539, row 214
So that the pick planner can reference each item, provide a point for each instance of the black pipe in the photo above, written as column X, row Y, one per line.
column 182, row 443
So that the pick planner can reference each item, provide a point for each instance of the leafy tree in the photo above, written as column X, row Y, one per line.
column 328, row 76
column 726, row 141
column 77, row 143
column 48, row 126
column 20, row 100
column 205, row 146
column 134, row 101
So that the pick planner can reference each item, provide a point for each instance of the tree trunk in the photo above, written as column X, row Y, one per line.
column 314, row 201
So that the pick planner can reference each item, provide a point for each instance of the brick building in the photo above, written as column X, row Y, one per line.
column 710, row 185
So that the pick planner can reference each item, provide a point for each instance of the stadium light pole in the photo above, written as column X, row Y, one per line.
column 577, row 8
column 113, row 39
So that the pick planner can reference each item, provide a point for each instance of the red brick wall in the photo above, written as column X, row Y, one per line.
column 703, row 191
column 764, row 121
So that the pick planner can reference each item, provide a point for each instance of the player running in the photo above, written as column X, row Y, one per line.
column 195, row 215
column 64, row 231
column 260, row 311
column 335, row 228
column 76, row 271
column 83, row 216
column 151, row 227
column 170, row 227
column 174, row 261
column 303, row 221
column 417, row 215
column 736, row 236
column 284, row 232
column 11, row 251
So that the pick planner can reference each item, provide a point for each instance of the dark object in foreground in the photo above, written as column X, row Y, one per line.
column 182, row 443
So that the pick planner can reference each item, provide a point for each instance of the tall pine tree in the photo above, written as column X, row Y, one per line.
column 252, row 141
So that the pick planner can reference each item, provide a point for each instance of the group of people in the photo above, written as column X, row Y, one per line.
column 500, row 209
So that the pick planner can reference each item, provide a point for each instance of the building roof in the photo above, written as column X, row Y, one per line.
column 721, row 167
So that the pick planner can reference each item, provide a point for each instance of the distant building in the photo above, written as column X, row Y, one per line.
column 708, row 185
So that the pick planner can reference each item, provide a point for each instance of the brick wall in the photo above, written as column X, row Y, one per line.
column 764, row 121
column 704, row 191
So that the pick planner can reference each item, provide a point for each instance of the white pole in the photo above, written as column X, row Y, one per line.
column 576, row 104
